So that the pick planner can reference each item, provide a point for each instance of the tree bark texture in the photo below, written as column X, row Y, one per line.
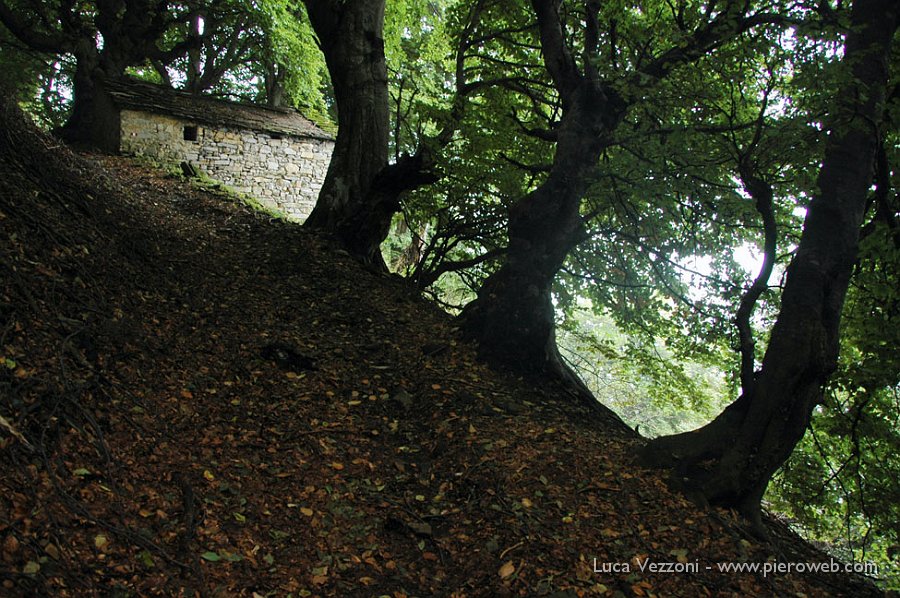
column 93, row 116
column 731, row 460
column 350, row 35
column 762, row 194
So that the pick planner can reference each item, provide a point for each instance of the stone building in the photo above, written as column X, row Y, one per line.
column 275, row 155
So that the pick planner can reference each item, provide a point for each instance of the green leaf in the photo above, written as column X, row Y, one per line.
column 146, row 558
column 278, row 534
column 211, row 556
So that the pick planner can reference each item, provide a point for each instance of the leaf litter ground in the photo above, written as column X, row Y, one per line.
column 200, row 401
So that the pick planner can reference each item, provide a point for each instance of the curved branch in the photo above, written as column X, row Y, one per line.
column 731, row 21
column 557, row 57
column 885, row 199
column 762, row 194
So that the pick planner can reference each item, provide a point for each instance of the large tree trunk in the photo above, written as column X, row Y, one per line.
column 77, row 128
column 513, row 319
column 731, row 460
column 130, row 32
column 93, row 121
column 350, row 34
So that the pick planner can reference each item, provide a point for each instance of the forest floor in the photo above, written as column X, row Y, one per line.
column 200, row 401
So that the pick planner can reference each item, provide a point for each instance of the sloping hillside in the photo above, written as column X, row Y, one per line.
column 198, row 401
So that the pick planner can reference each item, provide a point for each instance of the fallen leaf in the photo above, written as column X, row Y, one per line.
column 52, row 551
column 506, row 570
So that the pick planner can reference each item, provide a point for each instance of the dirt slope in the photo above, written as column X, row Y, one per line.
column 199, row 401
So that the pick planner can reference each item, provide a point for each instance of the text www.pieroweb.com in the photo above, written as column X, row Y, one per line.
column 765, row 568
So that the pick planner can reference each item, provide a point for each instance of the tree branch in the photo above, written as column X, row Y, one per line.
column 530, row 168
column 727, row 24
column 557, row 57
column 762, row 194
column 426, row 279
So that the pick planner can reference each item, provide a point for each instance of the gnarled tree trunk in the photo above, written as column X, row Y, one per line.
column 350, row 34
column 93, row 121
column 731, row 460
column 513, row 317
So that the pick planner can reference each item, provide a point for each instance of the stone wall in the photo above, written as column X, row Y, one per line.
column 282, row 173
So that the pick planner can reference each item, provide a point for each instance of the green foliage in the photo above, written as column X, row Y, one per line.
column 254, row 50
column 482, row 165
column 293, row 49
column 417, row 48
column 647, row 302
column 648, row 387
column 40, row 81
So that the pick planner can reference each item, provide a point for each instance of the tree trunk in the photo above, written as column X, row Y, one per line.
column 731, row 460
column 350, row 35
column 77, row 128
column 194, row 83
column 93, row 121
column 513, row 318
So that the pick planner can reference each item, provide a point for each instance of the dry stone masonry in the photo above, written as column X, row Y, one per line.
column 276, row 156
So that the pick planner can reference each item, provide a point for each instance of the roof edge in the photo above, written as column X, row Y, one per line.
column 144, row 96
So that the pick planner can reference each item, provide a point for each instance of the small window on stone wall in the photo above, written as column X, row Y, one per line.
column 190, row 132
column 276, row 136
